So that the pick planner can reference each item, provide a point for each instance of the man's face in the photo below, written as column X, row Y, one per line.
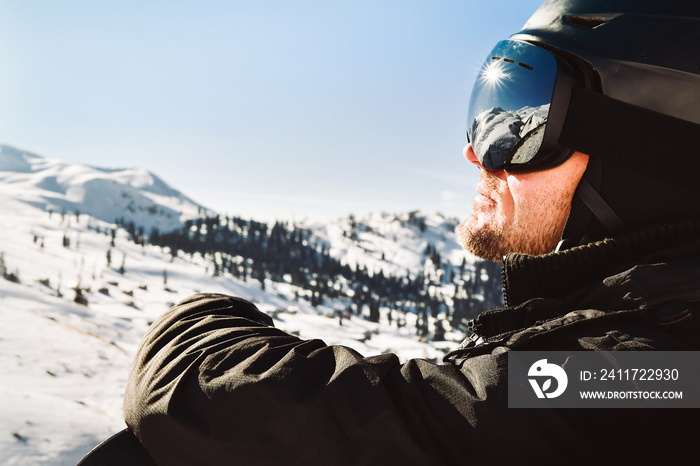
column 524, row 213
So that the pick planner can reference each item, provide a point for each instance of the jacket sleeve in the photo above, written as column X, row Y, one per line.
column 214, row 382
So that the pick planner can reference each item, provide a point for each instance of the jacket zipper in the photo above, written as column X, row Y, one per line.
column 504, row 283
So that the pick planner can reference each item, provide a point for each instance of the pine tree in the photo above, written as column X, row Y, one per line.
column 439, row 334
column 79, row 297
column 58, row 287
column 374, row 310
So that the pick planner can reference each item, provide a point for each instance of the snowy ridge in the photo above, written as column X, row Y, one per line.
column 133, row 194
column 393, row 243
column 65, row 364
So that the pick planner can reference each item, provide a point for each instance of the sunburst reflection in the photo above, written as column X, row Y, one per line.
column 494, row 74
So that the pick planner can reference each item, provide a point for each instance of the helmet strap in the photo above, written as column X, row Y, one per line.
column 591, row 217
column 600, row 209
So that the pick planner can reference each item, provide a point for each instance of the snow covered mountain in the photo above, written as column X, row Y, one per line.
column 79, row 293
column 131, row 193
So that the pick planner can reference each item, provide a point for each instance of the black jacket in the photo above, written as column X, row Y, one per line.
column 215, row 383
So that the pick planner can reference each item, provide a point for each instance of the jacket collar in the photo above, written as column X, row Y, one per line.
column 558, row 274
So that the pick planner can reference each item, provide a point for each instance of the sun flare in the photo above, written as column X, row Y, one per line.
column 493, row 74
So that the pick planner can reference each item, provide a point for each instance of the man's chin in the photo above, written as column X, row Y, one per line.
column 481, row 241
column 494, row 242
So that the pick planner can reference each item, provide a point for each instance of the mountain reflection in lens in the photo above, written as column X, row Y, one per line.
column 508, row 135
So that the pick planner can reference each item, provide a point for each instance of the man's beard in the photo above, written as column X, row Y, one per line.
column 494, row 242
column 527, row 234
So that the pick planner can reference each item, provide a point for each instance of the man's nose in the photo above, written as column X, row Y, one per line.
column 471, row 156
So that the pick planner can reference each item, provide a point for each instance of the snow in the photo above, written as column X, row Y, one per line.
column 65, row 365
column 63, row 377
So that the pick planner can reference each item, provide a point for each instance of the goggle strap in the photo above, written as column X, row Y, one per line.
column 642, row 140
column 598, row 207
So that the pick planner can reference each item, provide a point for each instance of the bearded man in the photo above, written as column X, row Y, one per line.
column 586, row 128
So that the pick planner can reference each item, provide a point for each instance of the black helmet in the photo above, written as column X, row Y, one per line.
column 637, row 113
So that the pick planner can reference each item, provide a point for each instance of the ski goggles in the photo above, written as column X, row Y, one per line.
column 513, row 119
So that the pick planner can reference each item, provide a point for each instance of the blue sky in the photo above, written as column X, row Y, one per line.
column 267, row 109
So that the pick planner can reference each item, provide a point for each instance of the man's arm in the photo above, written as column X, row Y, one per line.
column 215, row 383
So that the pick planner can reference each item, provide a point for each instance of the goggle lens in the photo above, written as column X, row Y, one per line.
column 509, row 105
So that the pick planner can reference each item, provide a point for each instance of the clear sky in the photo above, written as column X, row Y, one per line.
column 267, row 109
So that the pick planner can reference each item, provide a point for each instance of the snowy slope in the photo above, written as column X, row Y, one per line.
column 393, row 243
column 64, row 364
